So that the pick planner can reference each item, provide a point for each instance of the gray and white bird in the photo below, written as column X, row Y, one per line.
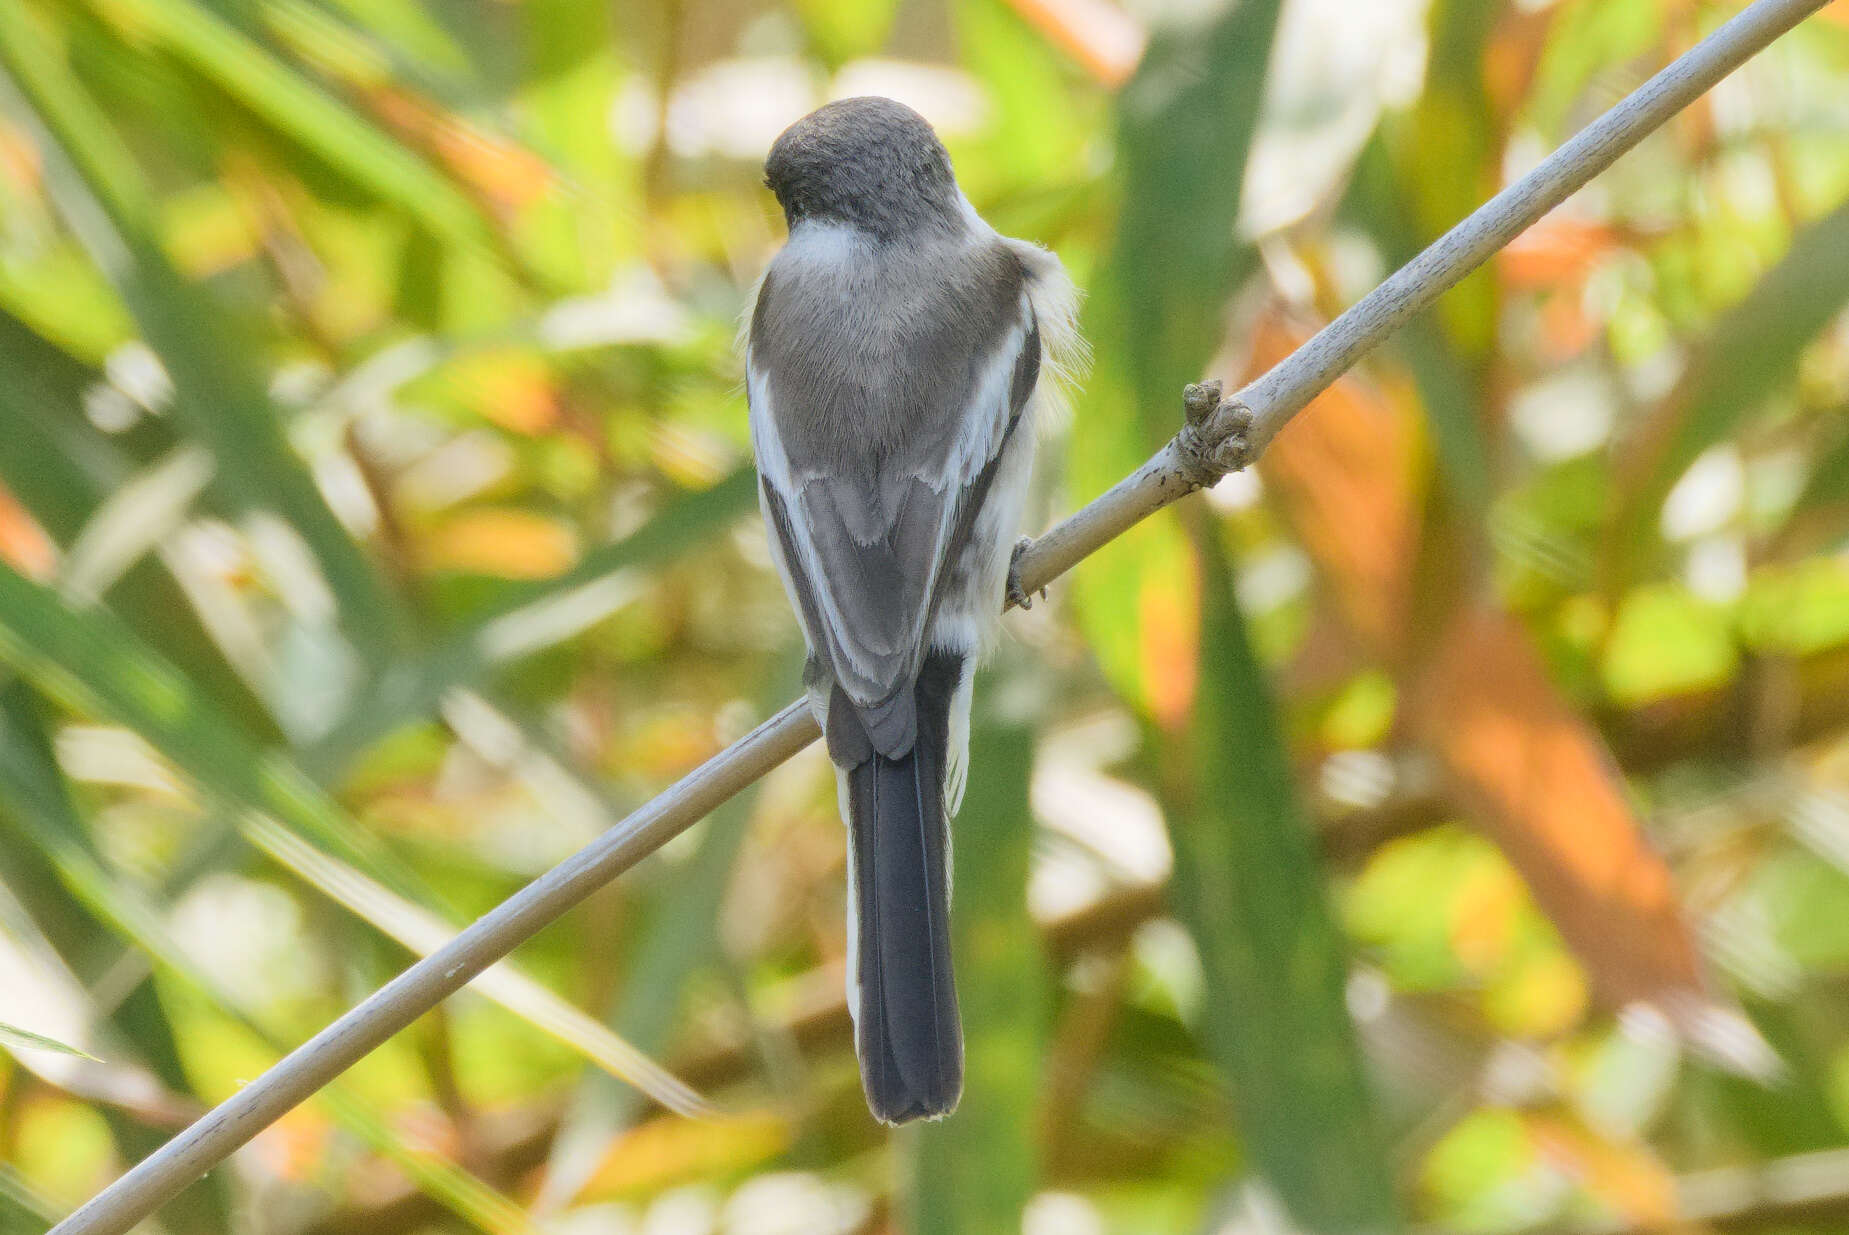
column 896, row 360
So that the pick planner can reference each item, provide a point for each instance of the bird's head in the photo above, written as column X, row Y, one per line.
column 867, row 163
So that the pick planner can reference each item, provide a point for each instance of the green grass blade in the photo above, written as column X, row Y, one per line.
column 411, row 30
column 40, row 811
column 86, row 945
column 681, row 936
column 977, row 1170
column 49, row 463
column 1185, row 128
column 1248, row 887
column 13, row 1038
column 302, row 111
column 87, row 659
column 532, row 616
column 1750, row 351
column 63, row 471
column 423, row 932
column 1448, row 386
column 22, row 1211
column 1246, row 882
column 219, row 394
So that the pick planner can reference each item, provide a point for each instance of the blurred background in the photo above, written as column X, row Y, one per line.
column 1445, row 823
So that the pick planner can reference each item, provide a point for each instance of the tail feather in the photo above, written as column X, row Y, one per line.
column 906, row 1029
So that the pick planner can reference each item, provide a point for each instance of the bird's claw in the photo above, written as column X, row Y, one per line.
column 1214, row 436
column 1018, row 595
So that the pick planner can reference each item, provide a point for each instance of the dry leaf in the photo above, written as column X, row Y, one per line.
column 1538, row 780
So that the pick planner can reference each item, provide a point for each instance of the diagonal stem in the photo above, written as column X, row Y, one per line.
column 1193, row 458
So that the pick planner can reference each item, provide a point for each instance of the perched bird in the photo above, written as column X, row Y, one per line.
column 895, row 362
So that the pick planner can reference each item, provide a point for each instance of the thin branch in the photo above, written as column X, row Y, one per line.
column 1218, row 437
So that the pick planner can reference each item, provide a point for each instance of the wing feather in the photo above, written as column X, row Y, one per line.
column 864, row 529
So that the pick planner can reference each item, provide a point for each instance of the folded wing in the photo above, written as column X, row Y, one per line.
column 878, row 422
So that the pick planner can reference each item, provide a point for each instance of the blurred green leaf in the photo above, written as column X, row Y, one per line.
column 1185, row 127
column 1665, row 641
column 1804, row 1114
column 14, row 1038
column 977, row 1171
column 680, row 936
column 299, row 110
column 1828, row 485
column 1247, row 885
column 34, row 791
column 86, row 659
column 525, row 617
column 22, row 1211
column 570, row 89
column 218, row 393
column 65, row 297
column 1587, row 37
column 1021, row 70
column 1447, row 152
column 840, row 32
column 1749, row 351
column 1797, row 610
column 63, row 470
column 1246, row 882
column 411, row 29
column 1425, row 169
column 1448, row 386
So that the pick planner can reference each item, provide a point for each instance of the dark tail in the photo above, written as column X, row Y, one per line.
column 906, row 1031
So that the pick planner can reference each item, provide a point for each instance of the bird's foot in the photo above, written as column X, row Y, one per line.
column 1018, row 595
column 1214, row 435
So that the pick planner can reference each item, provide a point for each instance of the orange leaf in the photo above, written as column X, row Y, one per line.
column 506, row 173
column 1537, row 779
column 1566, row 328
column 23, row 544
column 1555, row 252
column 1628, row 1176
column 19, row 158
column 671, row 1150
column 1513, row 54
column 1170, row 627
column 508, row 543
column 512, row 389
column 295, row 1146
column 1103, row 38
column 1343, row 475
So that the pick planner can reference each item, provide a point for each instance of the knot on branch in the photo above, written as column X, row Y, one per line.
column 1213, row 440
